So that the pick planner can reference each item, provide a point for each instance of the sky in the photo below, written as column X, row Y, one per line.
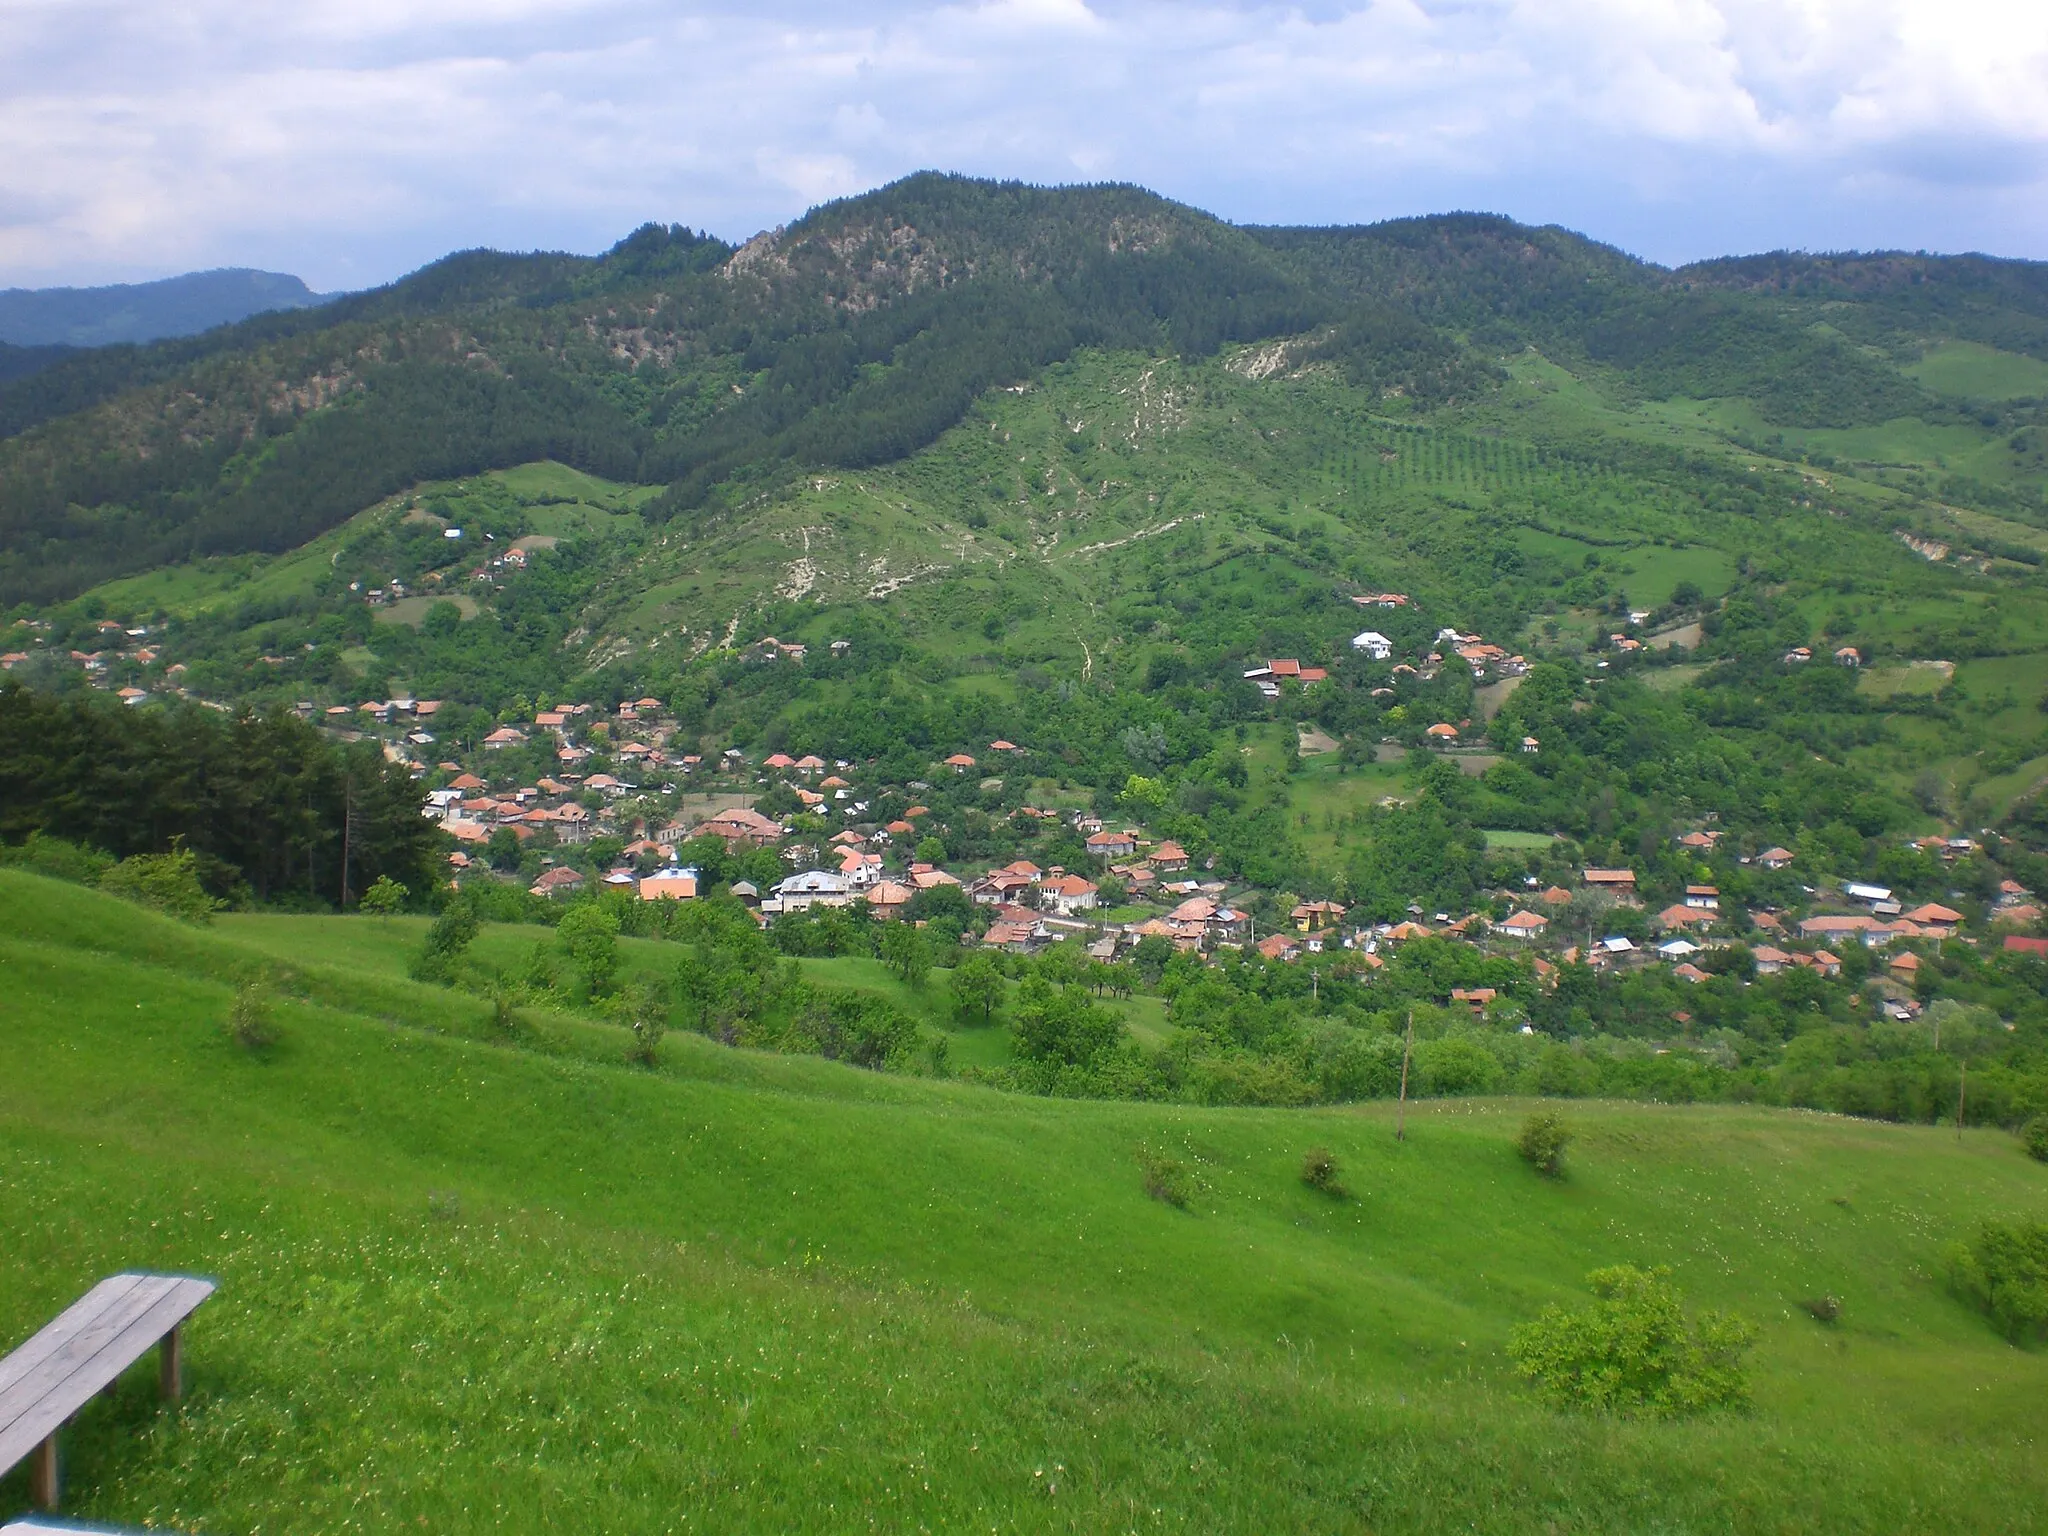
column 350, row 141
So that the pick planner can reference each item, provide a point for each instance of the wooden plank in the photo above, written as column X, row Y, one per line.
column 87, row 1324
column 91, row 1356
column 61, row 1328
column 100, row 1352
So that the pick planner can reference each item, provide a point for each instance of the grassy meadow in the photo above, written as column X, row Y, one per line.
column 478, row 1282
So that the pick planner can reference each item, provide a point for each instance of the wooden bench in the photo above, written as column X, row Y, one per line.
column 82, row 1351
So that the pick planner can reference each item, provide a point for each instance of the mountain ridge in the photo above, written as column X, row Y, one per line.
column 861, row 332
column 116, row 313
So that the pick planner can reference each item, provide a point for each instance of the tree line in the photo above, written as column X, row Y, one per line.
column 271, row 809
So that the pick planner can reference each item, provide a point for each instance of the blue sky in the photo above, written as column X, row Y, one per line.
column 351, row 140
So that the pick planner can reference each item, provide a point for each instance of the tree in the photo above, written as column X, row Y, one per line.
column 503, row 849
column 385, row 897
column 1061, row 1026
column 590, row 935
column 907, row 953
column 448, row 938
column 2004, row 1271
column 977, row 990
column 930, row 851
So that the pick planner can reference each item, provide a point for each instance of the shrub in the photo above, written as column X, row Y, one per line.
column 2034, row 1138
column 504, row 1014
column 2004, row 1273
column 1166, row 1179
column 649, row 1022
column 590, row 933
column 1823, row 1309
column 447, row 940
column 1635, row 1349
column 250, row 1024
column 1319, row 1172
column 384, row 898
column 58, row 858
column 1542, row 1141
column 168, row 882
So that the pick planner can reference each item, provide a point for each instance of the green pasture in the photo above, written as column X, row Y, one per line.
column 1508, row 838
column 1909, row 679
column 1973, row 371
column 1670, row 679
column 413, row 610
column 476, row 1282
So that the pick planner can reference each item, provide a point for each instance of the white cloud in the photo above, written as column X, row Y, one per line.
column 351, row 139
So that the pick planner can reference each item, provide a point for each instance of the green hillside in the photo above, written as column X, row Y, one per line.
column 470, row 1280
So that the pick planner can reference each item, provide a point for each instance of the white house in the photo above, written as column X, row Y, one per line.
column 1373, row 644
column 1069, row 894
column 812, row 888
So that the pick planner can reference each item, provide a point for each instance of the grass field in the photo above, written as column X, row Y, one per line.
column 472, row 1283
column 1522, row 841
column 1974, row 371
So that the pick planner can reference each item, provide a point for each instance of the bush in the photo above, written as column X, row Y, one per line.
column 1823, row 1309
column 1166, row 1179
column 384, row 898
column 2004, row 1273
column 649, row 1022
column 168, row 882
column 447, row 940
column 1542, row 1142
column 1635, row 1349
column 58, row 858
column 2034, row 1138
column 250, row 1024
column 1319, row 1172
column 590, row 933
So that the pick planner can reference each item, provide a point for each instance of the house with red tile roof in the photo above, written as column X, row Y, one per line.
column 1068, row 894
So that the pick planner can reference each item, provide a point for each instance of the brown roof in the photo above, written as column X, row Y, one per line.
column 1934, row 912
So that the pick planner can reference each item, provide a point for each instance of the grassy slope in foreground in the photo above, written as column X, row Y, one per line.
column 477, row 1286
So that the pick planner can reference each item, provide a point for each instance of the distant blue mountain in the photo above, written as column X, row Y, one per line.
column 137, row 312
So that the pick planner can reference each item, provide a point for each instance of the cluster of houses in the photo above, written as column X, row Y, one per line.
column 1845, row 656
column 117, row 644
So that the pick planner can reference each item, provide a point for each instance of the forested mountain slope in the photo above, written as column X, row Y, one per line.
column 1082, row 434
column 859, row 334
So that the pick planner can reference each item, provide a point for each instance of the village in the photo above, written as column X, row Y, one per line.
column 862, row 845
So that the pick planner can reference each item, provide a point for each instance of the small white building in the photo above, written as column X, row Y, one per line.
column 1374, row 644
column 812, row 888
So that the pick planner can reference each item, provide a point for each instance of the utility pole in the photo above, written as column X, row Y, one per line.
column 1401, row 1112
column 348, row 822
